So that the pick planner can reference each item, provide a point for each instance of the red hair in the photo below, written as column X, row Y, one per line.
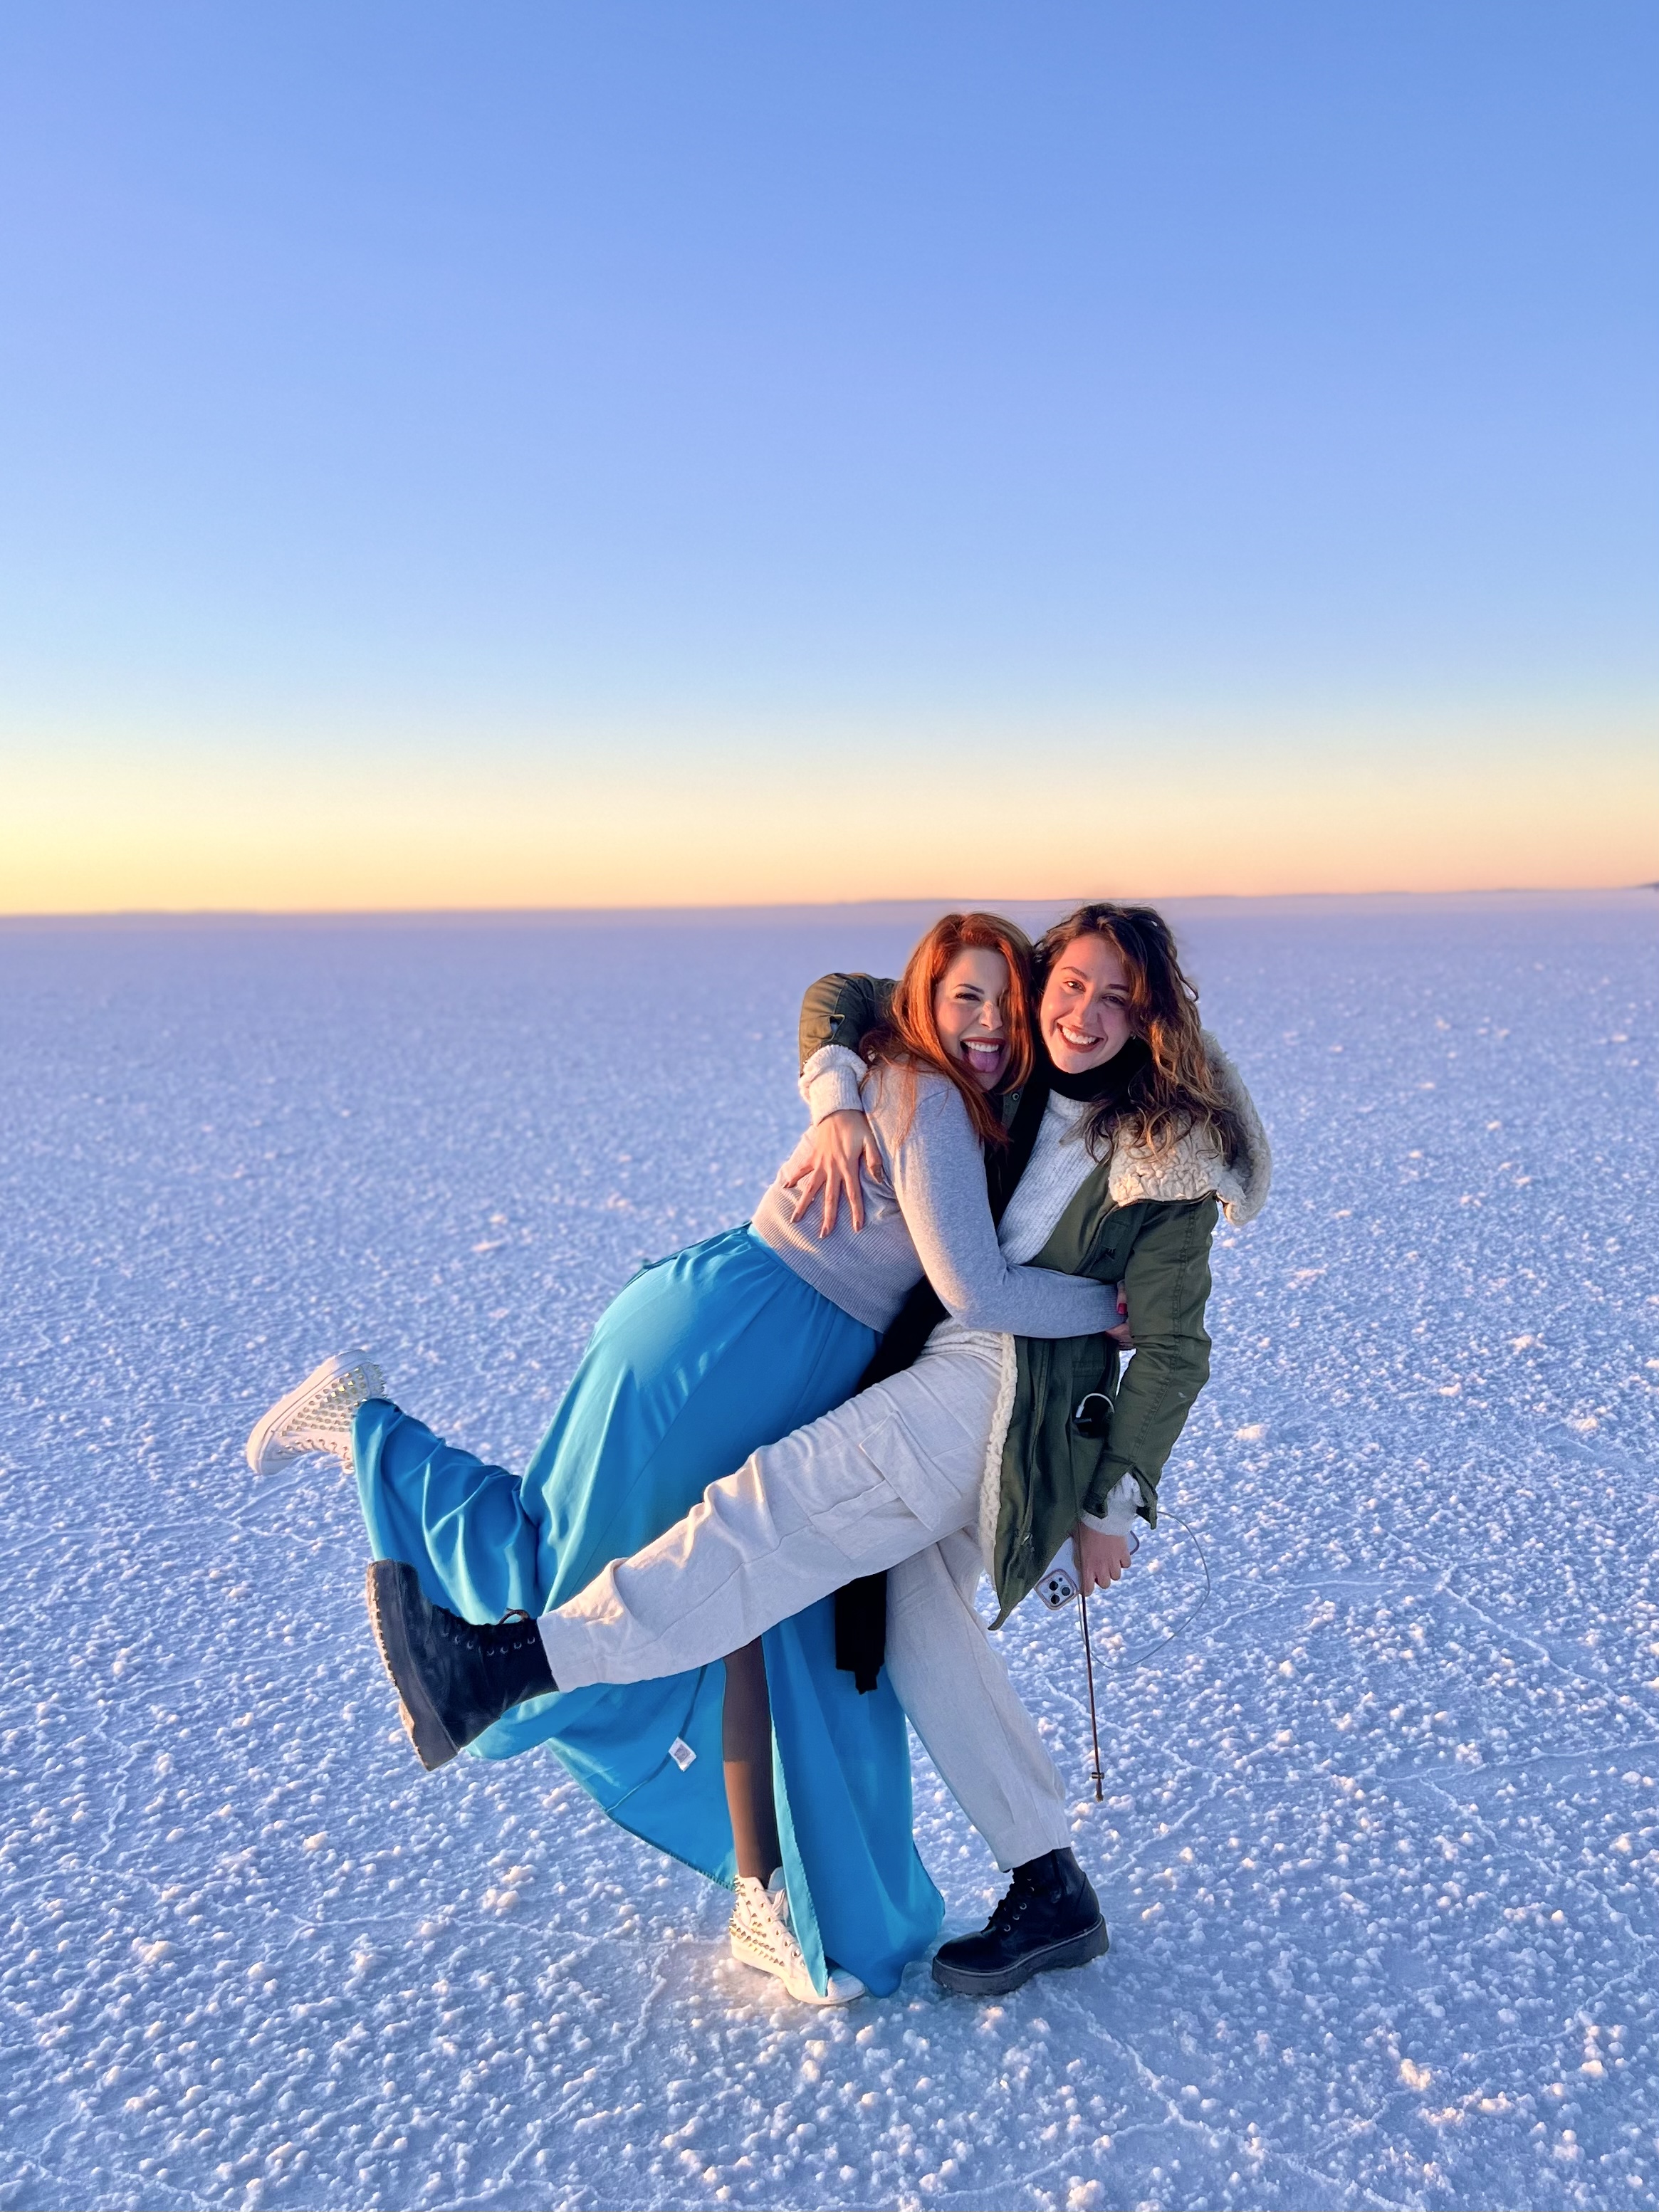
column 910, row 1032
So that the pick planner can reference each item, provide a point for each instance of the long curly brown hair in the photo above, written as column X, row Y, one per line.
column 1176, row 1091
column 910, row 1033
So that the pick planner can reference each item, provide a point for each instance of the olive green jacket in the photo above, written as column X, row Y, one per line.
column 1140, row 1219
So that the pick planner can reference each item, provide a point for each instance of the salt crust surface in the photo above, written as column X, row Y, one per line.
column 1381, row 1829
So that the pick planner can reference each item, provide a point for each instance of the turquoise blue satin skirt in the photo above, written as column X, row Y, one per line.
column 702, row 1359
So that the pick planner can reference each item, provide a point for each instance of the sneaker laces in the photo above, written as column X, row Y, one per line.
column 764, row 1935
column 326, row 1419
column 765, row 1916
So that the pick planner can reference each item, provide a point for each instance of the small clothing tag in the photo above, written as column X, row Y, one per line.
column 681, row 1753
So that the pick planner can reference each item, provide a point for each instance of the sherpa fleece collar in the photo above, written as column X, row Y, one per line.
column 1193, row 1167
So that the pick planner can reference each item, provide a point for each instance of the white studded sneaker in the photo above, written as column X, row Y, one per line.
column 317, row 1416
column 762, row 1936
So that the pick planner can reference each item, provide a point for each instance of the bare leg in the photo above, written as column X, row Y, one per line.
column 763, row 1934
column 747, row 1748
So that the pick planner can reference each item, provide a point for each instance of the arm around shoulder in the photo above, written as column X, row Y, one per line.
column 840, row 1009
column 939, row 1179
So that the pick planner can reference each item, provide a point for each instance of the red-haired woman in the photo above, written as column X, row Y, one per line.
column 702, row 1359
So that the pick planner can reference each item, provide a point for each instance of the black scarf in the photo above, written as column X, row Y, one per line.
column 861, row 1606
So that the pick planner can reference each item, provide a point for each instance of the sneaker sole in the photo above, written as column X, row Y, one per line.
column 260, row 1457
column 1074, row 1951
column 434, row 1746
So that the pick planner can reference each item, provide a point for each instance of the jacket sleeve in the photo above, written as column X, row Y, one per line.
column 840, row 1009
column 1166, row 1280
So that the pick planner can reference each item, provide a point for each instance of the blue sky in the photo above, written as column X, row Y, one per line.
column 571, row 421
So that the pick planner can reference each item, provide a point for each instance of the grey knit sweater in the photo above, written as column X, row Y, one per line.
column 1059, row 1165
column 929, row 1215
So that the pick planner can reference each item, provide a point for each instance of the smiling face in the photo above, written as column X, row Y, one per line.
column 1085, row 1016
column 968, row 1012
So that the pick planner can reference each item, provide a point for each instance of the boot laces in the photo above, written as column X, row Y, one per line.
column 1010, row 1906
column 489, row 1634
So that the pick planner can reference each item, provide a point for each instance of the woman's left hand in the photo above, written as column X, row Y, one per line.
column 1122, row 1335
column 830, row 1160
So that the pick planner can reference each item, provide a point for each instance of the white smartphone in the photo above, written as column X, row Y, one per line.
column 1058, row 1586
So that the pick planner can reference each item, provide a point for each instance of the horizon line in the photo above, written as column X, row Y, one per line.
column 189, row 915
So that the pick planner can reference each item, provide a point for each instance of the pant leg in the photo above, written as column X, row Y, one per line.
column 464, row 1527
column 869, row 1485
column 957, row 1693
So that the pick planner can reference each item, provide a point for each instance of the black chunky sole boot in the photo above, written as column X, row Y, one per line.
column 453, row 1680
column 1049, row 1919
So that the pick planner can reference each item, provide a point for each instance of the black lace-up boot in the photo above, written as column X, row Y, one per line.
column 1050, row 1917
column 453, row 1679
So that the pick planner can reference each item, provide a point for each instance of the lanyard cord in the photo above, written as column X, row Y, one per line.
column 1186, row 1619
column 1089, row 1668
column 1130, row 1665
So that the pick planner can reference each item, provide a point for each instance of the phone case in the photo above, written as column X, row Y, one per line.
column 1058, row 1586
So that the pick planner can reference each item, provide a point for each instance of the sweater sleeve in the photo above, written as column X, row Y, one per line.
column 1167, row 1283
column 938, row 1173
column 839, row 1010
column 830, row 1081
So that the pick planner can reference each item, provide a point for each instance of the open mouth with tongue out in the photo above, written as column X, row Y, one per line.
column 985, row 1056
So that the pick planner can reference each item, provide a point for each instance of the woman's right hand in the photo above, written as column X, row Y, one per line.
column 828, row 1160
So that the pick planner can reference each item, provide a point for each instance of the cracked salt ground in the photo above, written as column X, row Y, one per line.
column 1381, row 1832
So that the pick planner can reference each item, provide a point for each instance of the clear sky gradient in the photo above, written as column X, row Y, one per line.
column 541, row 454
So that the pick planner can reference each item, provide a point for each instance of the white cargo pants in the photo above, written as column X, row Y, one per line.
column 890, row 1479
